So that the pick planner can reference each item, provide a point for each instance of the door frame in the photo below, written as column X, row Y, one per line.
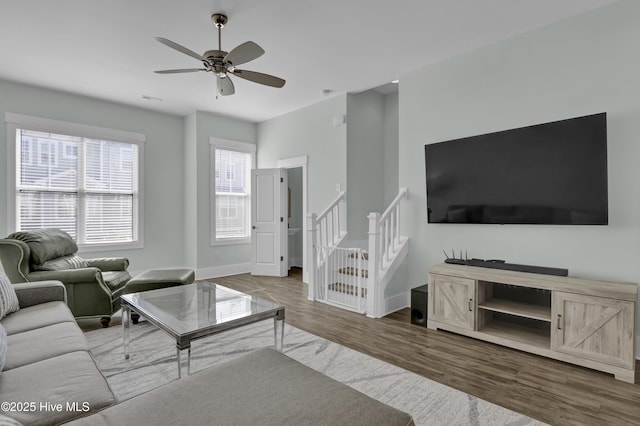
column 292, row 163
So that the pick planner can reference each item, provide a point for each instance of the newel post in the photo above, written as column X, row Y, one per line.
column 374, row 261
column 312, row 262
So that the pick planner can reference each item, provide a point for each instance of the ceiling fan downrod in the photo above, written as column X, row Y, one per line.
column 219, row 20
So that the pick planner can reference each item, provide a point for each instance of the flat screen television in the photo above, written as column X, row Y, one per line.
column 553, row 173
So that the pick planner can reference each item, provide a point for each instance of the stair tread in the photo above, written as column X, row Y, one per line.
column 347, row 288
column 350, row 270
column 365, row 255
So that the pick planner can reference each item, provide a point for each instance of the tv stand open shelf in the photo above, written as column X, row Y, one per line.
column 584, row 322
column 520, row 309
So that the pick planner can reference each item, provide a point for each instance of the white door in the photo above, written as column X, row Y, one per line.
column 269, row 251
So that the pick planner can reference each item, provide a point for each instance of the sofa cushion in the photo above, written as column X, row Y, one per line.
column 264, row 387
column 116, row 279
column 3, row 347
column 8, row 421
column 65, row 379
column 37, row 316
column 8, row 298
column 70, row 261
column 46, row 244
column 45, row 342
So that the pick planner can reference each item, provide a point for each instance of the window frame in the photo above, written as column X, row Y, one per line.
column 15, row 121
column 229, row 145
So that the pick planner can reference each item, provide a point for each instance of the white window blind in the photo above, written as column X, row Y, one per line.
column 232, row 194
column 86, row 187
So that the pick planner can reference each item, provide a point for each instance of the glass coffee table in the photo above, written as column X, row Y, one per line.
column 193, row 311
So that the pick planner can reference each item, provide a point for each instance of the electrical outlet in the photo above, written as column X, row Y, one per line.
column 337, row 187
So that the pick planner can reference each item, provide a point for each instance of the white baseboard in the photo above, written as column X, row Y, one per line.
column 637, row 347
column 295, row 261
column 397, row 302
column 223, row 271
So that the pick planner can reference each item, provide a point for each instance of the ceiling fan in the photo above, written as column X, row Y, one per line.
column 222, row 63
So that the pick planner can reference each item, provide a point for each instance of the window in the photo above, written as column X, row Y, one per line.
column 85, row 181
column 231, row 170
column 70, row 150
column 231, row 196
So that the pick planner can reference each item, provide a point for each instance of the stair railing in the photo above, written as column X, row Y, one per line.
column 384, row 244
column 324, row 230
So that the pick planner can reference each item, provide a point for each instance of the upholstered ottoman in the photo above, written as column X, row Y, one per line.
column 158, row 278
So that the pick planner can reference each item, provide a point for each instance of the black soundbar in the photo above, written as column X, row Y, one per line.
column 561, row 272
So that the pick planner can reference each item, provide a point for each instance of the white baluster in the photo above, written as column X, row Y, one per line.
column 387, row 232
column 398, row 225
column 374, row 253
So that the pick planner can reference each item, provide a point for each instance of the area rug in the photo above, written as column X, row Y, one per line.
column 152, row 363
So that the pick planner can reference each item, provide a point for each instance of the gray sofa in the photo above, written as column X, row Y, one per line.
column 48, row 361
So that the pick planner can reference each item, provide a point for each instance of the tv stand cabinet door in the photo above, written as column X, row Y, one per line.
column 595, row 328
column 452, row 301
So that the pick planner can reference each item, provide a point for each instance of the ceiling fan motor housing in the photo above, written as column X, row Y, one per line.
column 219, row 19
column 214, row 59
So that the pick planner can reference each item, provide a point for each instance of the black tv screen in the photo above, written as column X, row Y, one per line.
column 553, row 173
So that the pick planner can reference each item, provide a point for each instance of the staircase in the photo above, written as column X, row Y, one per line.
column 349, row 277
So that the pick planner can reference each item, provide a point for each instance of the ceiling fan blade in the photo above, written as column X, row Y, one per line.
column 258, row 77
column 180, row 70
column 225, row 86
column 244, row 53
column 179, row 48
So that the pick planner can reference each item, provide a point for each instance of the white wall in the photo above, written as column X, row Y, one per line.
column 164, row 164
column 580, row 66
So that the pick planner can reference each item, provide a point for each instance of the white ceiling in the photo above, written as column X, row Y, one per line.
column 106, row 49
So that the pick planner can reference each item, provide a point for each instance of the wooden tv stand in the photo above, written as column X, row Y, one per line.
column 584, row 322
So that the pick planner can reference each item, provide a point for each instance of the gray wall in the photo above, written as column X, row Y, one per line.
column 211, row 125
column 176, row 173
column 296, row 220
column 580, row 66
column 164, row 163
column 365, row 162
column 391, row 118
column 309, row 131
column 191, row 190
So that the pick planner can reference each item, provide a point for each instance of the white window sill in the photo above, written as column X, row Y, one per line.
column 230, row 241
column 85, row 248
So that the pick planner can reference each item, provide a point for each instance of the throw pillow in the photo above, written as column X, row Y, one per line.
column 3, row 347
column 8, row 298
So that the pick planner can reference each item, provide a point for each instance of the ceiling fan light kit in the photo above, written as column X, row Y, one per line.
column 222, row 64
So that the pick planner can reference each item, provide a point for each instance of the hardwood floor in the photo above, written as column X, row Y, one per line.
column 548, row 390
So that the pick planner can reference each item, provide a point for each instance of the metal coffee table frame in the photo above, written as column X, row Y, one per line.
column 149, row 305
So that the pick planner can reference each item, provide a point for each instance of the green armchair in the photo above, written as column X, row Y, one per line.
column 93, row 286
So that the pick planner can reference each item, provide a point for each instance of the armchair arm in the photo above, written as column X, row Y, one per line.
column 14, row 255
column 69, row 276
column 35, row 293
column 109, row 263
